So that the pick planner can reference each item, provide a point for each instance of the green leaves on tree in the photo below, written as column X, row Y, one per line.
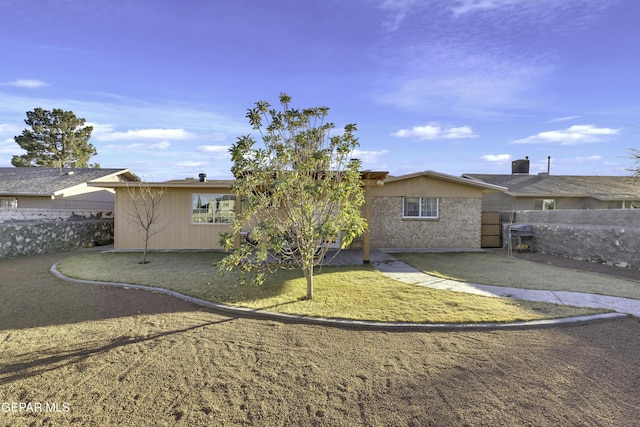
column 300, row 191
column 55, row 139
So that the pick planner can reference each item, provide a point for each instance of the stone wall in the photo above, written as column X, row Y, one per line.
column 22, row 237
column 601, row 235
column 457, row 226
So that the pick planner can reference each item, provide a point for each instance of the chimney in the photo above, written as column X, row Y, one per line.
column 520, row 166
column 548, row 165
column 203, row 177
column 548, row 168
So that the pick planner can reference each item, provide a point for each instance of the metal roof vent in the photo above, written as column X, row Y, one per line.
column 203, row 177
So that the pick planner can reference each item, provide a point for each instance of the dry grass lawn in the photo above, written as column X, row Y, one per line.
column 490, row 268
column 347, row 292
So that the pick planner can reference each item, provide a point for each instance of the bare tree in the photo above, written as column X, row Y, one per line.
column 635, row 156
column 144, row 210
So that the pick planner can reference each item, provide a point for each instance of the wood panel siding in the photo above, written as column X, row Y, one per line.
column 178, row 232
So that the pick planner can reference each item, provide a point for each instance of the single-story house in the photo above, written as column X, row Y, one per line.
column 428, row 210
column 54, row 188
column 552, row 192
column 421, row 210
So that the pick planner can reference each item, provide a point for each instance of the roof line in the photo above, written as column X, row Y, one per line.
column 447, row 177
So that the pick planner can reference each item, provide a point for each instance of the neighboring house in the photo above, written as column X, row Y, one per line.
column 53, row 188
column 552, row 192
column 422, row 210
column 428, row 210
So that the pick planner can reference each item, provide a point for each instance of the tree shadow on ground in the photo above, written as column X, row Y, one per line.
column 30, row 296
column 35, row 365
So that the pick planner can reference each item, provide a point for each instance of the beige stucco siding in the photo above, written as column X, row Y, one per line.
column 177, row 231
column 457, row 226
column 500, row 202
column 425, row 186
column 78, row 198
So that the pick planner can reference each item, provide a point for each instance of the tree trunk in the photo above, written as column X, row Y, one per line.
column 146, row 245
column 308, row 274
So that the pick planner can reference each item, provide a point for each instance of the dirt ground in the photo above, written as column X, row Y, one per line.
column 98, row 356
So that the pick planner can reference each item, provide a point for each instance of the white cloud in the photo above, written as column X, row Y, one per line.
column 589, row 158
column 467, row 6
column 433, row 131
column 217, row 151
column 396, row 12
column 368, row 156
column 8, row 146
column 171, row 134
column 214, row 148
column 160, row 145
column 496, row 158
column 577, row 134
column 467, row 59
column 191, row 164
column 8, row 129
column 538, row 8
column 441, row 75
column 26, row 83
column 563, row 119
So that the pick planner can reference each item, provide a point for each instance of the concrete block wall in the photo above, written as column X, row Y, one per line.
column 458, row 225
column 31, row 238
column 601, row 235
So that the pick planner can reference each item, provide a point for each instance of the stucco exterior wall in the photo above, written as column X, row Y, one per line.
column 90, row 198
column 458, row 224
column 43, row 215
column 500, row 202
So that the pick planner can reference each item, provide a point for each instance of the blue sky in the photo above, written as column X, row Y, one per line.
column 455, row 86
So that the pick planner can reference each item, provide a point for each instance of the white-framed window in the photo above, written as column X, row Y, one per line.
column 624, row 204
column 212, row 208
column 420, row 207
column 544, row 204
column 8, row 202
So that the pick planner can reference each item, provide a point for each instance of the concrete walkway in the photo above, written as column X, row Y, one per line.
column 398, row 270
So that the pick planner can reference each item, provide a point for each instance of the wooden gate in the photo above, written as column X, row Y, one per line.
column 491, row 230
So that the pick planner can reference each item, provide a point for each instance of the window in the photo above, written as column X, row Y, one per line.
column 623, row 204
column 212, row 208
column 8, row 202
column 544, row 204
column 632, row 204
column 420, row 207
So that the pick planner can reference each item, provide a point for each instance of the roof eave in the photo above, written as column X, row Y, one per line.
column 194, row 185
column 486, row 187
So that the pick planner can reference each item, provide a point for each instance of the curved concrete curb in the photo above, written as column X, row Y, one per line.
column 345, row 323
